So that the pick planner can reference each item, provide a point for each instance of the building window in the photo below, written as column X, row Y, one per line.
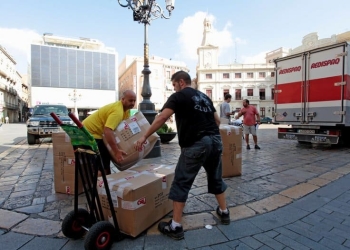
column 208, row 76
column 226, row 91
column 262, row 94
column 238, row 75
column 262, row 112
column 238, row 94
column 272, row 74
column 250, row 75
column 226, row 75
column 208, row 92
column 272, row 94
column 262, row 74
column 167, row 74
column 250, row 92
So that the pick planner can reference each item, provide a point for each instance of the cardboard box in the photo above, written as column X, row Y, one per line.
column 232, row 150
column 126, row 135
column 139, row 195
column 64, row 164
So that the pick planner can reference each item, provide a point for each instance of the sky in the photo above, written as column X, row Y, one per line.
column 244, row 29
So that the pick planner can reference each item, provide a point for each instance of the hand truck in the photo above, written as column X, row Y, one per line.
column 100, row 233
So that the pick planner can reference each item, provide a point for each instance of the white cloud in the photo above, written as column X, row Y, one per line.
column 191, row 34
column 258, row 58
column 17, row 44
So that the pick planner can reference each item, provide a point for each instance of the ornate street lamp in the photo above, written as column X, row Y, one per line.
column 144, row 11
column 75, row 97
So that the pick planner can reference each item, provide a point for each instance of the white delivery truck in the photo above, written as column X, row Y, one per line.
column 312, row 94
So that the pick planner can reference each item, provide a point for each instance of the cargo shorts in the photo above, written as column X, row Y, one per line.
column 249, row 130
column 205, row 152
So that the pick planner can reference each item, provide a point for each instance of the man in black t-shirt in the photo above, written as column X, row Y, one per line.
column 198, row 132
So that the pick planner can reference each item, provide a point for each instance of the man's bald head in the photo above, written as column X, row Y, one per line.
column 128, row 99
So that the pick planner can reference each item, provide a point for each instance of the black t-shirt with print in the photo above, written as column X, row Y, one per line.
column 194, row 114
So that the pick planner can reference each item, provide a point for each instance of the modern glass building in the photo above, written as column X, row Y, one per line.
column 65, row 67
column 79, row 73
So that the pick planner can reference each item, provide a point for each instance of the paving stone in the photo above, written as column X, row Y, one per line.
column 251, row 242
column 332, row 245
column 299, row 190
column 266, row 240
column 40, row 227
column 20, row 187
column 204, row 237
column 158, row 242
column 304, row 232
column 290, row 243
column 310, row 243
column 10, row 219
column 44, row 243
column 31, row 209
column 270, row 203
column 13, row 241
column 127, row 243
column 193, row 205
column 79, row 244
column 312, row 219
column 239, row 212
column 318, row 182
column 239, row 229
column 331, row 176
column 347, row 243
column 342, row 233
column 343, row 170
column 277, row 218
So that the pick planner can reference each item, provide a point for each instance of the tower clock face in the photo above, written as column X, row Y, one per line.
column 207, row 59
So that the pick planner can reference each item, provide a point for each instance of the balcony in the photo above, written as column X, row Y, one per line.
column 11, row 106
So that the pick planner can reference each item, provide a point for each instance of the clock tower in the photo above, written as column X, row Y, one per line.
column 208, row 51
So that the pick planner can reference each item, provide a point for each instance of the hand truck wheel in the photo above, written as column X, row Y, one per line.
column 100, row 236
column 72, row 225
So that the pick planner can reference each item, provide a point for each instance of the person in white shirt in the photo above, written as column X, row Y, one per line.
column 225, row 109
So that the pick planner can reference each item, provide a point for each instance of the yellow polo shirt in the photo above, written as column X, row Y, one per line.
column 108, row 116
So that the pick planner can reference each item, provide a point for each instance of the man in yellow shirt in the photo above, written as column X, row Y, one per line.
column 105, row 121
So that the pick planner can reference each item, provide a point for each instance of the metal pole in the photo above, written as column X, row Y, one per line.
column 146, row 106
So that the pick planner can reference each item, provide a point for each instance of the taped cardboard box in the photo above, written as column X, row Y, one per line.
column 126, row 135
column 64, row 164
column 231, row 137
column 139, row 195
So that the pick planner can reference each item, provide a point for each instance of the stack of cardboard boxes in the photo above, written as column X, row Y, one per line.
column 64, row 164
column 139, row 196
column 231, row 137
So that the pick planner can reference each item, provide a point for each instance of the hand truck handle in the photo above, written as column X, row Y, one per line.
column 55, row 117
column 75, row 120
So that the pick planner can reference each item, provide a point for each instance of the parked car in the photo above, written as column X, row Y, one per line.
column 266, row 120
column 40, row 124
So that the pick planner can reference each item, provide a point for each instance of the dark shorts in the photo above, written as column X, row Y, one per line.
column 207, row 153
column 105, row 156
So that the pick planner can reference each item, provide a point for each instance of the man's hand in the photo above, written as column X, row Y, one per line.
column 139, row 144
column 119, row 155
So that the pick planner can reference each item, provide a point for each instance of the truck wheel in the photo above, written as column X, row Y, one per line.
column 73, row 223
column 100, row 236
column 31, row 139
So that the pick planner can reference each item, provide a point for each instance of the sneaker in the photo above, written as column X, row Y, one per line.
column 165, row 228
column 257, row 147
column 248, row 147
column 224, row 217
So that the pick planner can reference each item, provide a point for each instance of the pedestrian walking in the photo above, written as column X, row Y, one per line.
column 7, row 120
column 104, row 121
column 251, row 118
column 197, row 124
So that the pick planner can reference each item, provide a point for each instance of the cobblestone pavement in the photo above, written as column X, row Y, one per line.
column 289, row 196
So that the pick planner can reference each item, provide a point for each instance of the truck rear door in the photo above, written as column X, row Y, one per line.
column 289, row 89
column 325, row 85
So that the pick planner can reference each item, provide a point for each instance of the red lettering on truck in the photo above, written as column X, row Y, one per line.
column 325, row 63
column 290, row 70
